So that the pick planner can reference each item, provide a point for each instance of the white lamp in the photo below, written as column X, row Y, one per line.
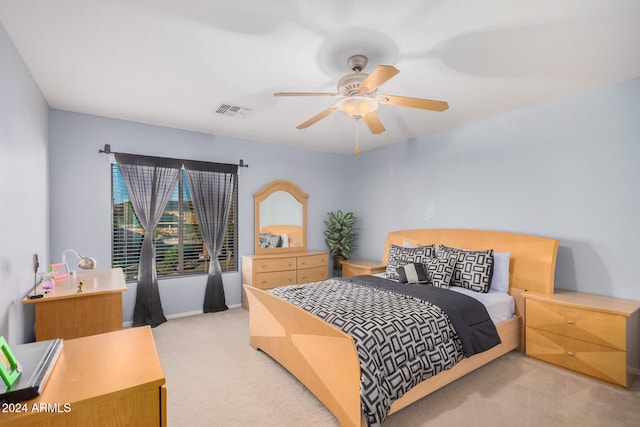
column 85, row 263
column 358, row 106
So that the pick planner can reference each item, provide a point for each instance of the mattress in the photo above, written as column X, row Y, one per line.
column 501, row 306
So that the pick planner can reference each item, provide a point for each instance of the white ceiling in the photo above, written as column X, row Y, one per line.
column 173, row 62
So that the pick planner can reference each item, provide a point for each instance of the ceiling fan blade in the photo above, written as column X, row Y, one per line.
column 317, row 117
column 381, row 74
column 374, row 123
column 305, row 94
column 404, row 101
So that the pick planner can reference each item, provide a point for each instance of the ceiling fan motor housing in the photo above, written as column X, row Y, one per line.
column 349, row 85
column 357, row 62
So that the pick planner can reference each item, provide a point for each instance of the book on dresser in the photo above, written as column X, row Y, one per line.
column 267, row 271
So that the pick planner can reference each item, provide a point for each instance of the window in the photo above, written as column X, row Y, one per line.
column 180, row 250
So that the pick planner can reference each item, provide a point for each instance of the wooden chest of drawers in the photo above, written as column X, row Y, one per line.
column 270, row 271
column 591, row 334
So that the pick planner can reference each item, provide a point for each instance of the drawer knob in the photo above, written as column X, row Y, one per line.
column 570, row 353
column 571, row 322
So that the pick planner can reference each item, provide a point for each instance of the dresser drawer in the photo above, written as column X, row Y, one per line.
column 274, row 279
column 274, row 264
column 308, row 275
column 581, row 356
column 309, row 261
column 586, row 325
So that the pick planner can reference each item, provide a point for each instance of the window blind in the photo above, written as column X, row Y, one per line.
column 180, row 250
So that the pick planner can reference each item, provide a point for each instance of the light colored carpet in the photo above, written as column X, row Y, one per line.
column 214, row 378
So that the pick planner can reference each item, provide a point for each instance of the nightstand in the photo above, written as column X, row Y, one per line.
column 591, row 334
column 357, row 267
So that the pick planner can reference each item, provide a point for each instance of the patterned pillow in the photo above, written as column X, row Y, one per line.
column 399, row 256
column 412, row 273
column 268, row 240
column 473, row 269
column 433, row 271
column 440, row 271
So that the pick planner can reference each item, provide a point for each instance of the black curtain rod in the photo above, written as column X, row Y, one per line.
column 107, row 150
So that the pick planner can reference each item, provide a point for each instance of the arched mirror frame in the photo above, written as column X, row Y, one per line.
column 264, row 193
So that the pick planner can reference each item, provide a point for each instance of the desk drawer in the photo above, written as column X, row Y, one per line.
column 587, row 325
column 274, row 264
column 308, row 275
column 580, row 356
column 274, row 279
column 311, row 261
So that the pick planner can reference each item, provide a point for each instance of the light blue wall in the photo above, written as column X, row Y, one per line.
column 566, row 169
column 23, row 190
column 81, row 190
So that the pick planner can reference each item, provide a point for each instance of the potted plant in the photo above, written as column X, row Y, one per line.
column 340, row 236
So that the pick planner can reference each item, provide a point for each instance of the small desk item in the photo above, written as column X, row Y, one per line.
column 37, row 361
column 71, row 311
column 59, row 270
column 111, row 379
column 10, row 368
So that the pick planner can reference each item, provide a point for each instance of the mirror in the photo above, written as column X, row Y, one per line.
column 281, row 218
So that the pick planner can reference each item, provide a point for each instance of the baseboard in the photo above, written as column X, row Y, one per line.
column 179, row 315
column 185, row 314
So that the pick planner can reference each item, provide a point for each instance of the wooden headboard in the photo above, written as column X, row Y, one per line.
column 532, row 262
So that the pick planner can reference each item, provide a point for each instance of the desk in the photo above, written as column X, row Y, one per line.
column 65, row 313
column 108, row 379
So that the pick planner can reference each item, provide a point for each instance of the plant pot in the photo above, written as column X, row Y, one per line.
column 337, row 263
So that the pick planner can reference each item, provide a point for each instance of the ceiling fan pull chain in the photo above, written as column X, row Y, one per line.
column 357, row 135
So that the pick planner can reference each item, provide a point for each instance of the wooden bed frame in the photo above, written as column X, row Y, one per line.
column 324, row 358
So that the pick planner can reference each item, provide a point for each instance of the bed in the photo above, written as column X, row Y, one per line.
column 325, row 359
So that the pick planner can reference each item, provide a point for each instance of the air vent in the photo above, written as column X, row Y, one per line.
column 232, row 110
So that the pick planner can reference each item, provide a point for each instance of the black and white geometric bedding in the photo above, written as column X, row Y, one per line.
column 401, row 340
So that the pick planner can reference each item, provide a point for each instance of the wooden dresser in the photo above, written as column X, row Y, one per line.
column 288, row 268
column 591, row 334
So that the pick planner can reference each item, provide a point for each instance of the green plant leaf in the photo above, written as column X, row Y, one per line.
column 340, row 234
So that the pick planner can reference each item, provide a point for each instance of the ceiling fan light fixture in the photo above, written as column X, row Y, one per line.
column 358, row 106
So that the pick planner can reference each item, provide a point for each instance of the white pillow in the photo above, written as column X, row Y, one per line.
column 285, row 240
column 406, row 244
column 500, row 278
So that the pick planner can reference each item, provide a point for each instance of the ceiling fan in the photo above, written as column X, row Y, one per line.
column 359, row 98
